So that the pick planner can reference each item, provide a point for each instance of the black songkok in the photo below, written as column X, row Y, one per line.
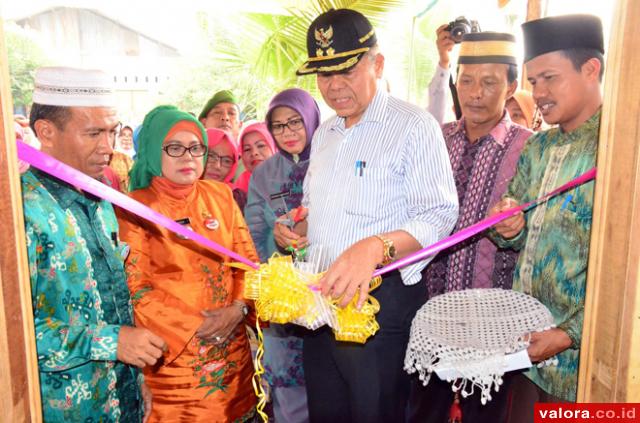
column 562, row 33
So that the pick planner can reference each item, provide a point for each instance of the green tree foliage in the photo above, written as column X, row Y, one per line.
column 24, row 56
column 256, row 54
column 420, row 55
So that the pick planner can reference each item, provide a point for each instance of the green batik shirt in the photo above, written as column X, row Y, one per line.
column 554, row 246
column 80, row 301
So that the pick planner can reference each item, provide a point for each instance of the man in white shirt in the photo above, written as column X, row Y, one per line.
column 379, row 187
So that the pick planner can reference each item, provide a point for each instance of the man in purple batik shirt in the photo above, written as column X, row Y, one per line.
column 484, row 147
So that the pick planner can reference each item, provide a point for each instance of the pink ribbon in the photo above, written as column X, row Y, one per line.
column 85, row 183
column 476, row 228
column 78, row 179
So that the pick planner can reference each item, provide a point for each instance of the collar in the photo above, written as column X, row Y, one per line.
column 173, row 190
column 376, row 110
column 65, row 194
column 590, row 126
column 498, row 134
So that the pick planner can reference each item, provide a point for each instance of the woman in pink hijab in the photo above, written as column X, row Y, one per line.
column 22, row 165
column 222, row 162
column 256, row 146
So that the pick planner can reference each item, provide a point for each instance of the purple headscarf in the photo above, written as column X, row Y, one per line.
column 302, row 102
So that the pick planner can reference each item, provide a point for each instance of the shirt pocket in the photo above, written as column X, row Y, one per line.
column 575, row 229
column 374, row 194
column 573, row 215
column 574, row 211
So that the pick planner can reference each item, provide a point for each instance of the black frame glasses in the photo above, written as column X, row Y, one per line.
column 180, row 150
column 294, row 125
column 224, row 161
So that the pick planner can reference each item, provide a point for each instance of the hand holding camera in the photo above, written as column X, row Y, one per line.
column 445, row 44
column 451, row 34
column 461, row 26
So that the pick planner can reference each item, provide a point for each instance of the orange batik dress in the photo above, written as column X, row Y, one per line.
column 172, row 280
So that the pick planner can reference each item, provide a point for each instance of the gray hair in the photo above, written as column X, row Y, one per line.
column 373, row 52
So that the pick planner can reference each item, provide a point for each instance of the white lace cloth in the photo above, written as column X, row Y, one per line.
column 471, row 331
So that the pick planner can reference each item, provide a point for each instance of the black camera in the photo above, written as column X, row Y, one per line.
column 462, row 26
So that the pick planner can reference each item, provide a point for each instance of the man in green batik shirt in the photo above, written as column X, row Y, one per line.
column 564, row 62
column 88, row 349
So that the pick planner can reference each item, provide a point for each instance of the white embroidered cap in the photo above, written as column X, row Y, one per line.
column 74, row 87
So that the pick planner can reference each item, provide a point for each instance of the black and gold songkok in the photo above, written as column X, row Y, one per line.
column 487, row 47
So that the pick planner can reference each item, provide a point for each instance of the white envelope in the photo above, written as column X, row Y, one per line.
column 515, row 361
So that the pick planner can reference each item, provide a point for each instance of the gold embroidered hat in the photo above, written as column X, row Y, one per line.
column 336, row 41
column 487, row 47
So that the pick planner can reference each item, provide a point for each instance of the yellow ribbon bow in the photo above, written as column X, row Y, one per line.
column 284, row 294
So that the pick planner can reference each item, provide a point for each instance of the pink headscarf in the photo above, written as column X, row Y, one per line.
column 215, row 137
column 260, row 127
column 19, row 131
column 22, row 165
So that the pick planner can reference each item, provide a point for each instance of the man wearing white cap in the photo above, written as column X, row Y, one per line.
column 87, row 345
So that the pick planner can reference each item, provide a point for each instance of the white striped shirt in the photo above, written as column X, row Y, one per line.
column 406, row 183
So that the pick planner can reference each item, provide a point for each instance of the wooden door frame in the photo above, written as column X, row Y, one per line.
column 19, row 382
column 610, row 351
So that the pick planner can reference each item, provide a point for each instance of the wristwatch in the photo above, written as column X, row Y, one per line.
column 243, row 307
column 389, row 252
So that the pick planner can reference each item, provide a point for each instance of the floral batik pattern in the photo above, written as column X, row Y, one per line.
column 75, row 344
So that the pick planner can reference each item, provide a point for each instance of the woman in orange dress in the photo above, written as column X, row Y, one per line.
column 182, row 291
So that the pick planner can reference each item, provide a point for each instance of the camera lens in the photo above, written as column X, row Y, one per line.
column 458, row 31
column 461, row 26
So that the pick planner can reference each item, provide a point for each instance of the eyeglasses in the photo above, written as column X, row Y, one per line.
column 292, row 124
column 177, row 150
column 225, row 161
